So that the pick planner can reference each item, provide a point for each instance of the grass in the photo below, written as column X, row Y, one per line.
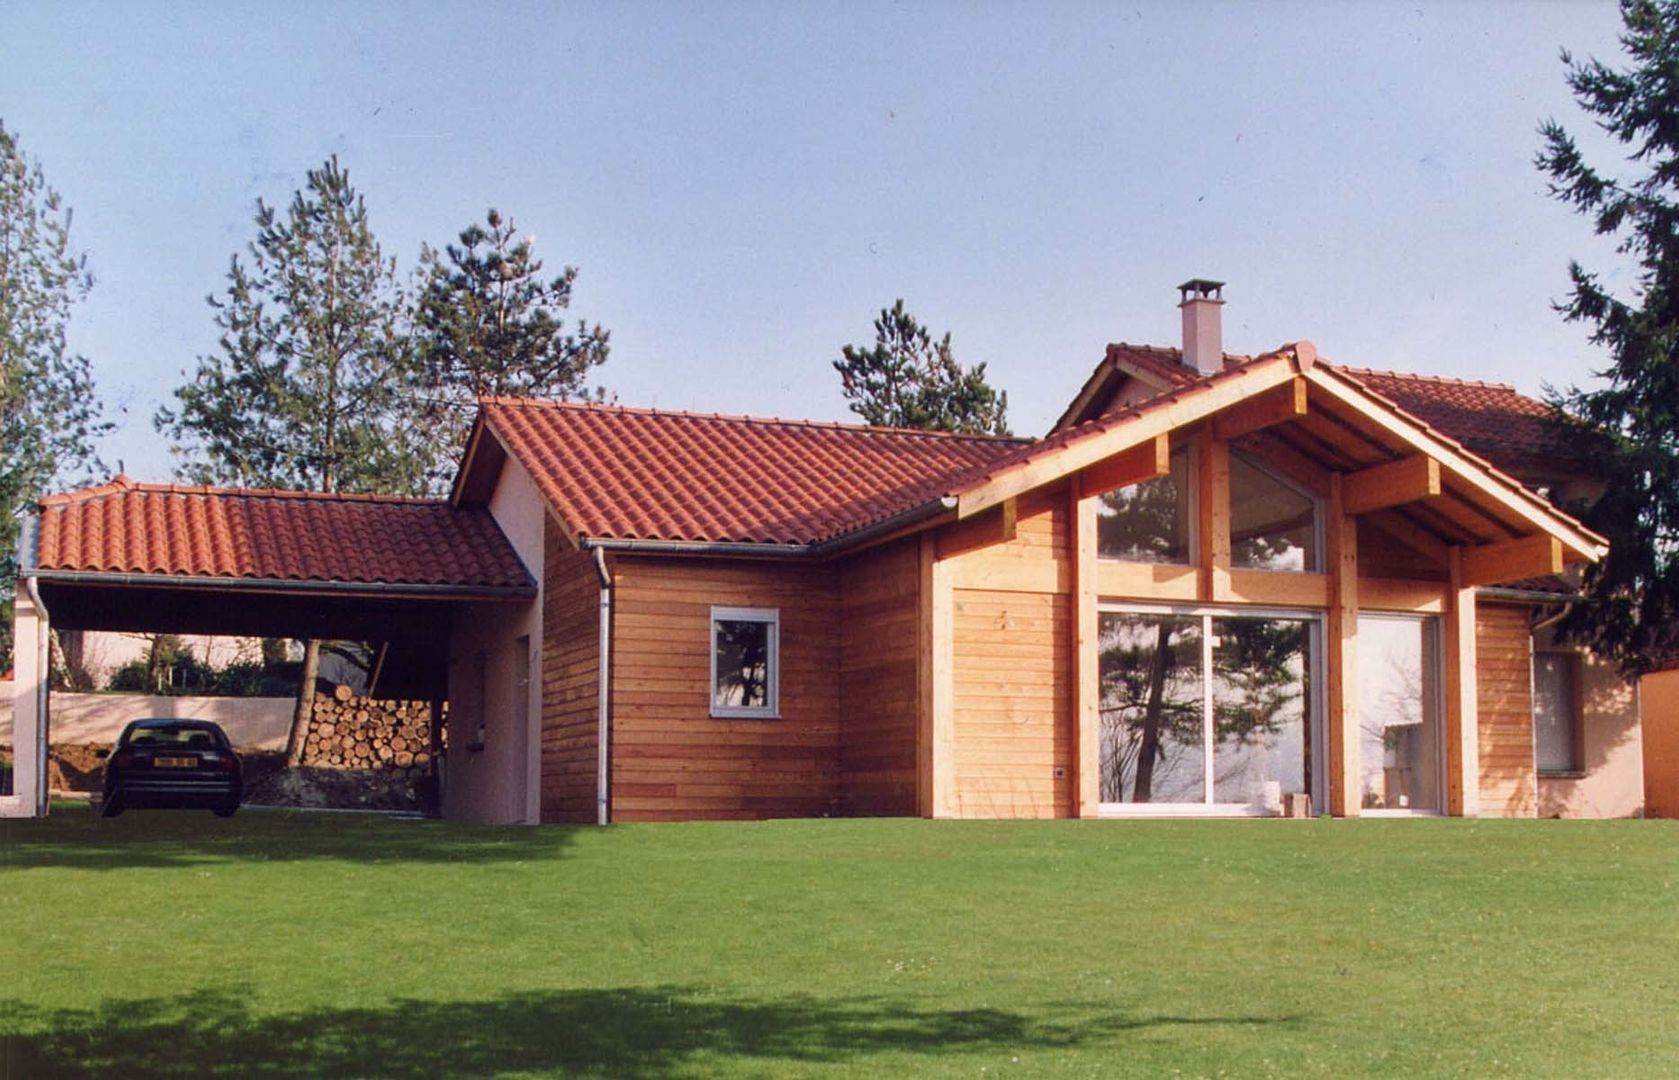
column 285, row 944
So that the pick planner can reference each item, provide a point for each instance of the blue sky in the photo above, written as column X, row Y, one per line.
column 743, row 186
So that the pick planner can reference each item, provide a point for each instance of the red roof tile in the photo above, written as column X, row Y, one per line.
column 620, row 473
column 1492, row 418
column 168, row 529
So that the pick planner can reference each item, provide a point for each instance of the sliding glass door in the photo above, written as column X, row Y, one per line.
column 1210, row 710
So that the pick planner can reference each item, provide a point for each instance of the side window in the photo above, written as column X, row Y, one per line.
column 1556, row 712
column 745, row 662
column 1273, row 525
column 1149, row 522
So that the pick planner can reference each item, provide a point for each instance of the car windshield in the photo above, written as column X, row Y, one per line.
column 174, row 738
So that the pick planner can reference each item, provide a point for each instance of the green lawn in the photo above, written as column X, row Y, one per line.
column 284, row 944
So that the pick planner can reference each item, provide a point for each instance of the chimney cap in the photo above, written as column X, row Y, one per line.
column 1201, row 289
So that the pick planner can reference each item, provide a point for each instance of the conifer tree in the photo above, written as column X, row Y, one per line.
column 909, row 380
column 489, row 323
column 1631, row 424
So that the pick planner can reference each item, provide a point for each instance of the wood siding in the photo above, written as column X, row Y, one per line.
column 671, row 760
column 1660, row 707
column 878, row 593
column 1014, row 739
column 1505, row 702
column 570, row 667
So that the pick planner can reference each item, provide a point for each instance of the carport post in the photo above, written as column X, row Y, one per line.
column 29, row 705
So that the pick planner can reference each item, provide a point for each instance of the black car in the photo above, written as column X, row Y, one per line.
column 172, row 763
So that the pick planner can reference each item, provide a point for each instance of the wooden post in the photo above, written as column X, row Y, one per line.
column 1463, row 748
column 1087, row 685
column 1213, row 512
column 1341, row 655
column 936, row 721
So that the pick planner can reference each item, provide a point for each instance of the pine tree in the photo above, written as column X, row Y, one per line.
column 488, row 323
column 49, row 414
column 1631, row 425
column 305, row 391
column 908, row 380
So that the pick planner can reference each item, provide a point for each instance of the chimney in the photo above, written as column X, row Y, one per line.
column 1203, row 329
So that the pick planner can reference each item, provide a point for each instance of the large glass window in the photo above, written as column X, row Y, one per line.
column 1149, row 522
column 1273, row 525
column 1399, row 757
column 1204, row 709
column 745, row 655
column 1556, row 713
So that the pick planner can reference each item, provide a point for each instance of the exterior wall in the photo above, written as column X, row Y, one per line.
column 879, row 606
column 1504, row 678
column 570, row 682
column 1012, row 663
column 1611, row 784
column 495, row 679
column 671, row 760
column 1659, row 706
column 258, row 723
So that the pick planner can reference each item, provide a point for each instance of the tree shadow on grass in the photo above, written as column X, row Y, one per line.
column 644, row 1032
column 76, row 838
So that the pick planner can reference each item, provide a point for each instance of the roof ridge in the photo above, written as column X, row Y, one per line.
column 1417, row 376
column 121, row 484
column 769, row 421
column 1174, row 350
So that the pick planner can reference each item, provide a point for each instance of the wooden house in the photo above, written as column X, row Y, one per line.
column 1221, row 585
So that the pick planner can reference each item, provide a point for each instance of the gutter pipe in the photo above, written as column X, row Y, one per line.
column 282, row 585
column 603, row 804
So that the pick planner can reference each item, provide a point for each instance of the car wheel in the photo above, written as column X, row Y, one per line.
column 110, row 808
column 226, row 810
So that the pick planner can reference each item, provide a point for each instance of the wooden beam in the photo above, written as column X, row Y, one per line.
column 1273, row 588
column 1279, row 406
column 935, row 774
column 1463, row 751
column 1161, row 418
column 1410, row 479
column 1341, row 655
column 1497, row 489
column 1146, row 581
column 1011, row 519
column 1402, row 594
column 1212, row 467
column 1087, row 683
column 1145, row 462
column 1512, row 560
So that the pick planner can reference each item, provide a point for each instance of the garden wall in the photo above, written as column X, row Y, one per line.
column 251, row 723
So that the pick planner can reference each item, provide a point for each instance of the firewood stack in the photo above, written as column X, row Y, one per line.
column 347, row 732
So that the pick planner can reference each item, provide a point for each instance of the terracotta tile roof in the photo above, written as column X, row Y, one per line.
column 622, row 473
column 1492, row 418
column 189, row 531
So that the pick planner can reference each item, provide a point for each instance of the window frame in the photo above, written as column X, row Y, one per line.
column 1319, row 538
column 1434, row 657
column 771, row 618
column 1576, row 709
column 1191, row 495
column 1317, row 701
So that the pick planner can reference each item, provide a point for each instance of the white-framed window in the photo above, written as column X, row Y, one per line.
column 1274, row 523
column 746, row 662
column 1152, row 521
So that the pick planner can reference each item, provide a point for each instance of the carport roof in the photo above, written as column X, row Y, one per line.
column 232, row 536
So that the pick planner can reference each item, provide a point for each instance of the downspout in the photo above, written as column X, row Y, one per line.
column 603, row 805
column 43, row 689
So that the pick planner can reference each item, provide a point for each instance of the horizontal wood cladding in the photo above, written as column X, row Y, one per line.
column 1505, row 702
column 570, row 667
column 671, row 760
column 1383, row 555
column 1035, row 559
column 878, row 597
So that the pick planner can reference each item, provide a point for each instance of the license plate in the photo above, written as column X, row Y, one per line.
column 174, row 762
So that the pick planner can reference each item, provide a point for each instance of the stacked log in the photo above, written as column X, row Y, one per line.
column 347, row 732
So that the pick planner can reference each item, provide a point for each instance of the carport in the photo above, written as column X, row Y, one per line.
column 156, row 558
